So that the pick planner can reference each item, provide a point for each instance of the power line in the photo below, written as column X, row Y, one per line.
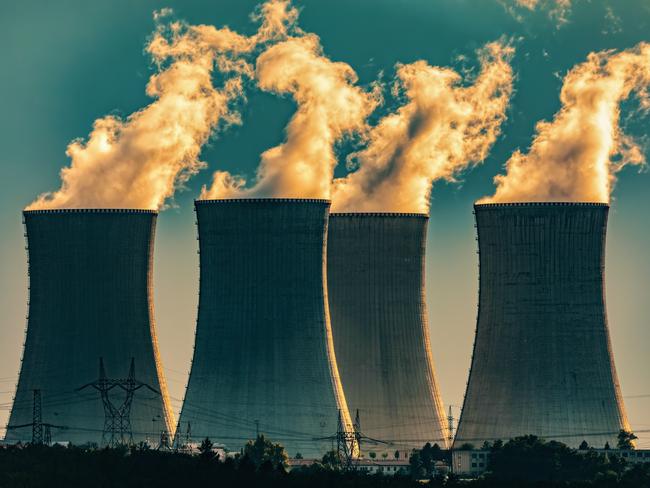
column 117, row 420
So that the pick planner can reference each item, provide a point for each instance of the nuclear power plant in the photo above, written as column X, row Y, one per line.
column 542, row 361
column 263, row 357
column 376, row 282
column 267, row 360
column 90, row 302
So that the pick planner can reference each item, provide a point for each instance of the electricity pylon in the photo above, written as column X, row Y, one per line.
column 117, row 420
column 41, row 431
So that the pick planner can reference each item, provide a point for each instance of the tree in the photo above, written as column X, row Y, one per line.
column 607, row 448
column 298, row 456
column 261, row 450
column 384, row 455
column 416, row 467
column 331, row 460
column 205, row 449
column 532, row 459
column 396, row 454
column 583, row 446
column 372, row 454
column 423, row 462
column 626, row 440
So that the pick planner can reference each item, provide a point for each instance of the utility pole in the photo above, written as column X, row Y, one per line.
column 117, row 420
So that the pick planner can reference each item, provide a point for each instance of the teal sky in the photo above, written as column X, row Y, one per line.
column 66, row 63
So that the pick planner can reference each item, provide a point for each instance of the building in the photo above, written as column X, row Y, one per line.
column 385, row 466
column 474, row 463
column 542, row 361
column 375, row 273
column 90, row 297
column 263, row 357
column 470, row 463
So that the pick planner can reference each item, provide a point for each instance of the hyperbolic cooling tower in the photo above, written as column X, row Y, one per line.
column 542, row 361
column 90, row 297
column 263, row 356
column 375, row 273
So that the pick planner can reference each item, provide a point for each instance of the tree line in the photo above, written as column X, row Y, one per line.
column 522, row 462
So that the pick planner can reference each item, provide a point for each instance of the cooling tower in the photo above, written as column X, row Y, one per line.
column 263, row 356
column 90, row 297
column 375, row 273
column 542, row 361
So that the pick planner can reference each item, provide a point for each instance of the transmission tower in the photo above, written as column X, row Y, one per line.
column 37, row 419
column 117, row 420
column 182, row 441
column 47, row 434
column 346, row 442
column 41, row 431
column 450, row 438
column 450, row 425
column 163, row 444
column 357, row 430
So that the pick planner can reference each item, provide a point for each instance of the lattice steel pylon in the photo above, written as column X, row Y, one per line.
column 163, row 444
column 41, row 431
column 347, row 443
column 37, row 419
column 182, row 441
column 450, row 427
column 117, row 420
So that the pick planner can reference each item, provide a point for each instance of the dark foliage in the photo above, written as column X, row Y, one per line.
column 531, row 459
column 39, row 466
column 422, row 462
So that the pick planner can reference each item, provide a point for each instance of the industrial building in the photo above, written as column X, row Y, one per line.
column 376, row 282
column 476, row 462
column 90, row 299
column 542, row 362
column 263, row 356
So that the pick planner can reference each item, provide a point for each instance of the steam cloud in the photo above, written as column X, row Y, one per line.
column 557, row 9
column 138, row 162
column 576, row 156
column 442, row 128
column 329, row 107
column 533, row 4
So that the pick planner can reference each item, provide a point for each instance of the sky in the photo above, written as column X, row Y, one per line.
column 67, row 64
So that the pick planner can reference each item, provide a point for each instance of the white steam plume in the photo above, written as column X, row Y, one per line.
column 329, row 107
column 139, row 161
column 533, row 4
column 443, row 128
column 558, row 10
column 575, row 157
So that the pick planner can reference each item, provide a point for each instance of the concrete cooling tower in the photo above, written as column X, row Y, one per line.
column 375, row 273
column 542, row 361
column 263, row 357
column 90, row 297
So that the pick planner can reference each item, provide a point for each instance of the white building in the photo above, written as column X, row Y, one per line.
column 473, row 463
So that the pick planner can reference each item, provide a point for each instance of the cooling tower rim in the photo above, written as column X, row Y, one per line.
column 540, row 204
column 90, row 211
column 260, row 200
column 379, row 214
